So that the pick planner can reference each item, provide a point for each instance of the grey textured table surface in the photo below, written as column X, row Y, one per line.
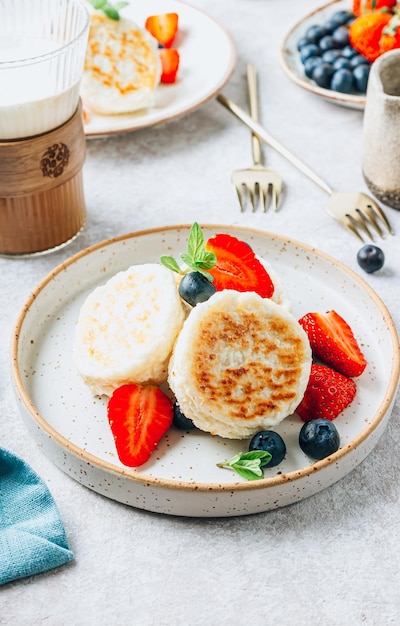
column 333, row 558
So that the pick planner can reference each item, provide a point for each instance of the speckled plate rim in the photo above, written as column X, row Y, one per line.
column 185, row 102
column 293, row 68
column 147, row 479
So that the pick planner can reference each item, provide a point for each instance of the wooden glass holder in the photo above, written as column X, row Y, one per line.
column 42, row 205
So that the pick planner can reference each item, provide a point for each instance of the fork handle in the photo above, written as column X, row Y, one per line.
column 252, row 87
column 274, row 143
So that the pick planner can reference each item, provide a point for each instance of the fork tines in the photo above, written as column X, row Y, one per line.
column 366, row 216
column 254, row 193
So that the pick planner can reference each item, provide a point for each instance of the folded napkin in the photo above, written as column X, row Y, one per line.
column 32, row 535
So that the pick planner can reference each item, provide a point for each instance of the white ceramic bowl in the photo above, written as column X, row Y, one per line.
column 182, row 478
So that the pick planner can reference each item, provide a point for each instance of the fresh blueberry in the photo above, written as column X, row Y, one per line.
column 269, row 441
column 341, row 36
column 358, row 59
column 314, row 33
column 330, row 56
column 301, row 43
column 310, row 64
column 342, row 80
column 342, row 17
column 361, row 74
column 349, row 52
column 310, row 50
column 370, row 258
column 319, row 438
column 180, row 420
column 195, row 288
column 327, row 43
column 330, row 26
column 322, row 75
column 341, row 64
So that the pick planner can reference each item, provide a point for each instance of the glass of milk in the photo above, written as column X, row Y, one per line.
column 42, row 142
column 42, row 52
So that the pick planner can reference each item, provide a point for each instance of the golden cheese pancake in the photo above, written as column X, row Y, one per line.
column 241, row 363
column 122, row 67
column 127, row 328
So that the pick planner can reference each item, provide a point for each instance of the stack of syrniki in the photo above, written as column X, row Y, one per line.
column 237, row 364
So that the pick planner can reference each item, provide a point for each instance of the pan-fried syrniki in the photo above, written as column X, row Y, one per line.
column 240, row 364
column 127, row 328
column 122, row 67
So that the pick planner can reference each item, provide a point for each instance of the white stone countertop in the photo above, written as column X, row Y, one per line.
column 333, row 558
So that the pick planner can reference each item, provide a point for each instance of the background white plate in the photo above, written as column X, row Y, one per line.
column 207, row 60
column 293, row 67
column 181, row 477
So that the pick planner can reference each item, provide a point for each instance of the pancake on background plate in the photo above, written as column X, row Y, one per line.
column 122, row 67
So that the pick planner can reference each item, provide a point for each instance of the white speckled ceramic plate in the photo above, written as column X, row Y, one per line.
column 182, row 477
column 207, row 60
column 293, row 67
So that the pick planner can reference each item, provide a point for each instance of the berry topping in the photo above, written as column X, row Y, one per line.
column 370, row 258
column 366, row 6
column 237, row 267
column 169, row 65
column 272, row 442
column 195, row 287
column 180, row 420
column 163, row 27
column 327, row 394
column 331, row 42
column 365, row 33
column 333, row 342
column 139, row 416
column 319, row 438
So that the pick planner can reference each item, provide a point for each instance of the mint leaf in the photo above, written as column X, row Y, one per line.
column 171, row 264
column 111, row 11
column 197, row 258
column 248, row 464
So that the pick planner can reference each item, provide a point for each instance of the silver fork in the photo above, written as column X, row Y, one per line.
column 257, row 183
column 354, row 210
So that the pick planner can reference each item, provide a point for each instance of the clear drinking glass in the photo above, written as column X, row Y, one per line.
column 42, row 51
column 42, row 141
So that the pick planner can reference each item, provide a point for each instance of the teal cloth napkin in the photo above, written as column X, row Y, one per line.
column 32, row 535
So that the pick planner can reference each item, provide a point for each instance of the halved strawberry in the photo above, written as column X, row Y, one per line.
column 328, row 393
column 163, row 27
column 237, row 266
column 169, row 64
column 333, row 342
column 139, row 416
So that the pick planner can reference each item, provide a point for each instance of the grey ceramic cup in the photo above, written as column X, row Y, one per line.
column 381, row 130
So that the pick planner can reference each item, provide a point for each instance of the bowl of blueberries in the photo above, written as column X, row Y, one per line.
column 316, row 54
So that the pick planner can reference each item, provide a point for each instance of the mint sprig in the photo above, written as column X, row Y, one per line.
column 248, row 464
column 197, row 258
column 110, row 10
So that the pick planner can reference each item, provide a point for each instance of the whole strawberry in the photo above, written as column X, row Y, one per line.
column 366, row 31
column 327, row 394
column 367, row 6
column 333, row 342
